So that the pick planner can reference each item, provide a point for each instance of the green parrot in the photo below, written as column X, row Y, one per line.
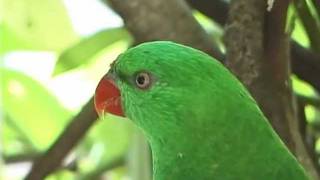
column 200, row 121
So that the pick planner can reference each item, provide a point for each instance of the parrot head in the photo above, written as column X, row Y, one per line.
column 160, row 86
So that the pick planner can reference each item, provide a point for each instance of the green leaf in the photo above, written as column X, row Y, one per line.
column 107, row 140
column 60, row 175
column 32, row 108
column 301, row 87
column 312, row 114
column 35, row 24
column 212, row 28
column 82, row 52
column 296, row 28
column 14, row 140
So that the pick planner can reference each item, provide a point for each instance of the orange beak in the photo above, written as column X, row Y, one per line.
column 107, row 97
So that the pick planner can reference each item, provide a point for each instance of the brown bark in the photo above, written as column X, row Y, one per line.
column 258, row 53
column 277, row 55
column 150, row 20
column 279, row 108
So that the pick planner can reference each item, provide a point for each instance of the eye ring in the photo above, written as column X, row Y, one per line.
column 143, row 80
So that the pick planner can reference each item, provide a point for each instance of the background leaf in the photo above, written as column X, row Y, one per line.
column 34, row 24
column 32, row 108
column 107, row 140
column 82, row 52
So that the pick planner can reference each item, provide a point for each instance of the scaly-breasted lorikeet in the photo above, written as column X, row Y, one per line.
column 200, row 121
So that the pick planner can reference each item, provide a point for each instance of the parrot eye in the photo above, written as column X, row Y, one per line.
column 143, row 80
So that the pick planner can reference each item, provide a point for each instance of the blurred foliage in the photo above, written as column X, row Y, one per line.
column 35, row 24
column 80, row 53
column 32, row 109
column 28, row 105
column 295, row 27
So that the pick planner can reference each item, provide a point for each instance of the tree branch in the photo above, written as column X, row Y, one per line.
column 305, row 63
column 276, row 68
column 258, row 53
column 252, row 59
column 75, row 130
column 277, row 54
column 150, row 20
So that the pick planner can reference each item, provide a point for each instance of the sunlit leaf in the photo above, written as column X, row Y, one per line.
column 311, row 113
column 212, row 28
column 34, row 24
column 107, row 140
column 36, row 112
column 296, row 28
column 314, row 9
column 82, row 52
column 61, row 175
column 14, row 139
column 302, row 87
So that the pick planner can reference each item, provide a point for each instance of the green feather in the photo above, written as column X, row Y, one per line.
column 199, row 119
